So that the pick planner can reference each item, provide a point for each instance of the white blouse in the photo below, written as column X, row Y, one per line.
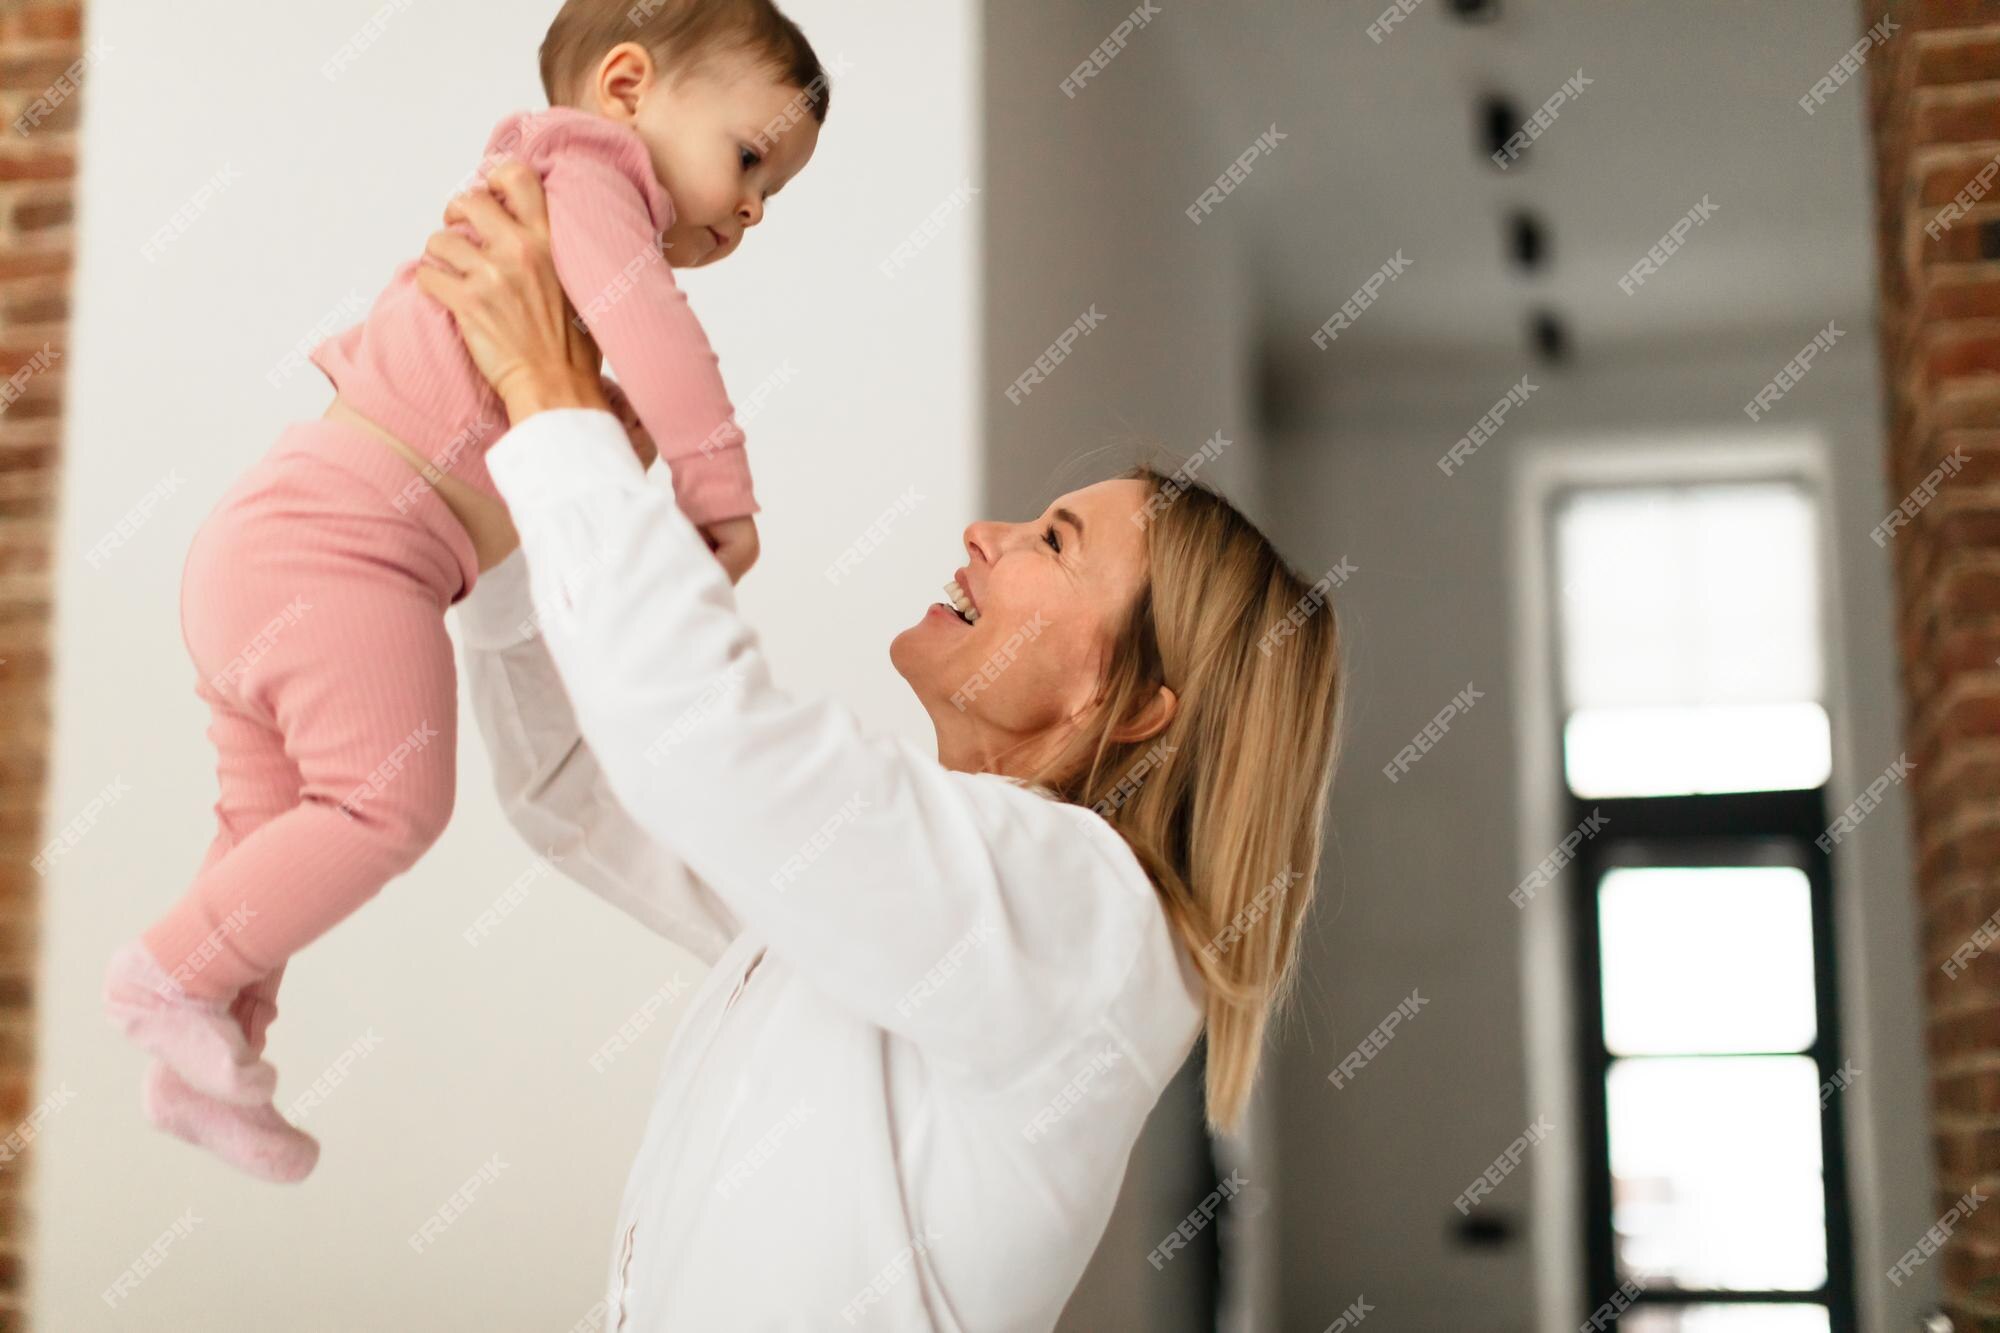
column 940, row 1005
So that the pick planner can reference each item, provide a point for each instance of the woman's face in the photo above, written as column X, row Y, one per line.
column 1050, row 594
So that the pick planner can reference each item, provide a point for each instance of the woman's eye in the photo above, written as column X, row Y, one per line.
column 1049, row 536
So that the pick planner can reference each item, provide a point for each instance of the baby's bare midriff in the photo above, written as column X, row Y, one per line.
column 484, row 519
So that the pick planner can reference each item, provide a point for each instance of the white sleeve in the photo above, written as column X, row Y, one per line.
column 549, row 783
column 977, row 918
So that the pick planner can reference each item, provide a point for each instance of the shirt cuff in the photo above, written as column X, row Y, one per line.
column 555, row 456
column 713, row 486
column 498, row 613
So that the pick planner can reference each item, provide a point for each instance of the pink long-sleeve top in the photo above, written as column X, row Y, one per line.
column 405, row 368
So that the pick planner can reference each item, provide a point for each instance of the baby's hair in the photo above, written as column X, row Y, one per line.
column 681, row 34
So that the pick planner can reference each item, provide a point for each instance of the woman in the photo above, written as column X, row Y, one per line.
column 944, row 992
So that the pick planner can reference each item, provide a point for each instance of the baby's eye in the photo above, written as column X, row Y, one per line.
column 749, row 158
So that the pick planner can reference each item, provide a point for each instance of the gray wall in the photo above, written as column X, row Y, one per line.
column 1353, row 1188
column 1420, row 870
column 1083, row 207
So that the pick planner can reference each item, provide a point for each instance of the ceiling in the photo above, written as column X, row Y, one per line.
column 1688, row 100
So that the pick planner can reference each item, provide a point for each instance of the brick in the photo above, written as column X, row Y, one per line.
column 1982, row 1229
column 16, row 992
column 1974, row 590
column 1962, row 351
column 38, row 398
column 1960, row 649
column 1971, row 58
column 1955, row 850
column 1968, row 1265
column 1976, row 983
column 1950, row 172
column 1970, row 1093
column 16, row 1098
column 1981, row 450
column 1966, row 1033
column 1954, row 292
column 44, row 23
column 1974, row 402
column 36, row 505
column 1969, row 115
column 1960, row 237
column 42, row 212
column 41, row 457
column 1928, row 15
column 29, row 306
column 41, row 22
column 20, row 261
column 1970, row 1153
column 1965, row 901
column 60, row 119
column 38, row 45
column 36, row 68
column 45, row 159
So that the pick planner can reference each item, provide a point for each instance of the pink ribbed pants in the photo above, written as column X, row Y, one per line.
column 312, row 603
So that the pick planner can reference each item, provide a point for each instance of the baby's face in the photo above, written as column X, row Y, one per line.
column 724, row 139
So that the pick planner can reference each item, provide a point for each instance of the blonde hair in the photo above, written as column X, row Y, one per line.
column 1224, row 808
column 681, row 34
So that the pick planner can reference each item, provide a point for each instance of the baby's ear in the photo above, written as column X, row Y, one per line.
column 623, row 76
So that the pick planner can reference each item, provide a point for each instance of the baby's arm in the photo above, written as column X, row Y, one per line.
column 607, row 253
column 734, row 540
column 635, row 429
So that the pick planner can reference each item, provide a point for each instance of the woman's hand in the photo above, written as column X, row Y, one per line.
column 500, row 282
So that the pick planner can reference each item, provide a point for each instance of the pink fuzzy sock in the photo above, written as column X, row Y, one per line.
column 253, row 1139
column 200, row 1039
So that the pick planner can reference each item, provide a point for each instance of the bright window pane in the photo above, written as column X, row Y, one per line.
column 1682, row 751
column 1715, row 1168
column 1728, row 1319
column 1691, row 640
column 1701, row 959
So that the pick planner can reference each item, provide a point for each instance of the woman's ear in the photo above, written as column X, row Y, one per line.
column 1150, row 720
column 623, row 77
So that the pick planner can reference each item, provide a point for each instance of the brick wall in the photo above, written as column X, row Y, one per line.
column 1934, row 105
column 40, row 47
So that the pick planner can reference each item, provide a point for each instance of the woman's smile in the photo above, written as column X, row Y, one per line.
column 959, row 593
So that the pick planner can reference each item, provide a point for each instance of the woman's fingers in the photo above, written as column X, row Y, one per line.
column 483, row 213
column 507, row 203
column 448, row 289
column 492, row 268
column 454, row 251
column 517, row 186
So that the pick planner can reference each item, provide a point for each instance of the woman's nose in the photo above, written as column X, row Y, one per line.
column 982, row 539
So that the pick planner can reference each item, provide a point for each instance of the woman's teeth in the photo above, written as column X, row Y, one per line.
column 961, row 603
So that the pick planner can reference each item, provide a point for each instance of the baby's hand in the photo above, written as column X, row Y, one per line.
column 734, row 541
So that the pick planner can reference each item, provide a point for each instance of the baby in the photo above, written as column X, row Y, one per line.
column 313, row 597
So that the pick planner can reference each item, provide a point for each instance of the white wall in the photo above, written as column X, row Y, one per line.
column 486, row 1050
column 1084, row 203
column 1421, row 870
